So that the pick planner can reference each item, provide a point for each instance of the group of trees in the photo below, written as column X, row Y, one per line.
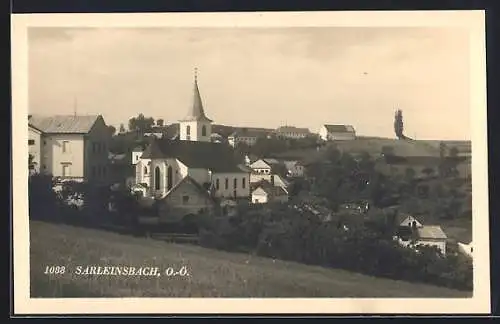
column 139, row 124
column 280, row 232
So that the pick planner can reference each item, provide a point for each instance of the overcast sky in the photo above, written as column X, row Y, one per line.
column 259, row 77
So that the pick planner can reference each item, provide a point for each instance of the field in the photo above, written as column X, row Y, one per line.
column 211, row 273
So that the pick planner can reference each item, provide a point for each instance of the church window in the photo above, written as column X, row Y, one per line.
column 204, row 130
column 169, row 178
column 188, row 130
column 145, row 170
column 157, row 178
column 235, row 183
column 226, row 185
column 243, row 182
column 217, row 184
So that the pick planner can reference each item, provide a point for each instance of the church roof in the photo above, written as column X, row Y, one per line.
column 216, row 157
column 196, row 113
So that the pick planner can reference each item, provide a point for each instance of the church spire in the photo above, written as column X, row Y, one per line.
column 196, row 112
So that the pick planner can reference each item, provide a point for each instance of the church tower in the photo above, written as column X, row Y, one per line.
column 195, row 126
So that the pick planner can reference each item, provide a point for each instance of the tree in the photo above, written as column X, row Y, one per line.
column 122, row 128
column 398, row 124
column 140, row 123
column 428, row 171
column 112, row 129
column 160, row 122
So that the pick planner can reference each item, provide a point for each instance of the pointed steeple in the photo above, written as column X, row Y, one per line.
column 196, row 112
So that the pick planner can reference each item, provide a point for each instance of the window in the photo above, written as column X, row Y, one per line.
column 188, row 130
column 169, row 178
column 44, row 142
column 31, row 142
column 65, row 146
column 243, row 183
column 185, row 199
column 226, row 184
column 217, row 184
column 235, row 183
column 145, row 170
column 157, row 178
column 204, row 130
column 66, row 171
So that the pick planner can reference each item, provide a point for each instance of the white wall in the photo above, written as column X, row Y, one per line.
column 53, row 156
column 35, row 147
column 259, row 196
column 323, row 133
column 195, row 131
column 241, row 191
column 441, row 245
column 136, row 156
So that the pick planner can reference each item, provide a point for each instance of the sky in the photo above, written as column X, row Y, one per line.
column 259, row 77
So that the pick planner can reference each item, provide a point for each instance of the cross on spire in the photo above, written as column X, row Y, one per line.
column 195, row 74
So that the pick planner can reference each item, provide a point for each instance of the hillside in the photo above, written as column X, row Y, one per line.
column 212, row 273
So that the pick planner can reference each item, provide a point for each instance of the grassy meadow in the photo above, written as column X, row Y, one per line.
column 212, row 273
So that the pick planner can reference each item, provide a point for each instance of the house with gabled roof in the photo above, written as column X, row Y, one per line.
column 214, row 166
column 292, row 132
column 337, row 132
column 70, row 147
column 265, row 192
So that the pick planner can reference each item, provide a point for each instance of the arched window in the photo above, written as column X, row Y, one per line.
column 145, row 170
column 157, row 178
column 204, row 130
column 169, row 178
column 188, row 130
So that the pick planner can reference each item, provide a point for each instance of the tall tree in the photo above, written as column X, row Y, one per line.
column 140, row 123
column 398, row 124
column 160, row 122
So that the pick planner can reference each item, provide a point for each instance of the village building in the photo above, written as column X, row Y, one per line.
column 70, row 147
column 265, row 192
column 292, row 132
column 421, row 235
column 295, row 169
column 212, row 168
column 337, row 132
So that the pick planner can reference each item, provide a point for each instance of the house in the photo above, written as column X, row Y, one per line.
column 264, row 166
column 337, row 132
column 292, row 132
column 245, row 136
column 186, row 198
column 70, row 147
column 426, row 235
column 408, row 221
column 213, row 166
column 265, row 192
column 216, row 138
column 295, row 169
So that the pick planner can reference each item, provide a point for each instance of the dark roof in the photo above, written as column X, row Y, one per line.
column 269, row 188
column 339, row 128
column 63, row 124
column 217, row 157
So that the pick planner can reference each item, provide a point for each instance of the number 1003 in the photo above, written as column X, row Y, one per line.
column 54, row 269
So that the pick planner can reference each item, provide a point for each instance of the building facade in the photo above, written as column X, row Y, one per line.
column 337, row 132
column 71, row 147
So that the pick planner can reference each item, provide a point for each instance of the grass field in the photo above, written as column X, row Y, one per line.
column 212, row 273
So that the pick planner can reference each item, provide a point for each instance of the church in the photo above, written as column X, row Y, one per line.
column 191, row 172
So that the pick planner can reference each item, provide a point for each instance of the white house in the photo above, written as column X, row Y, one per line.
column 409, row 221
column 264, row 166
column 70, row 147
column 213, row 166
column 337, row 132
column 266, row 192
column 243, row 136
column 292, row 132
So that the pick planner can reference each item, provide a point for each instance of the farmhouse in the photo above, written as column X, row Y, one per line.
column 245, row 136
column 424, row 235
column 337, row 132
column 266, row 192
column 211, row 167
column 70, row 147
